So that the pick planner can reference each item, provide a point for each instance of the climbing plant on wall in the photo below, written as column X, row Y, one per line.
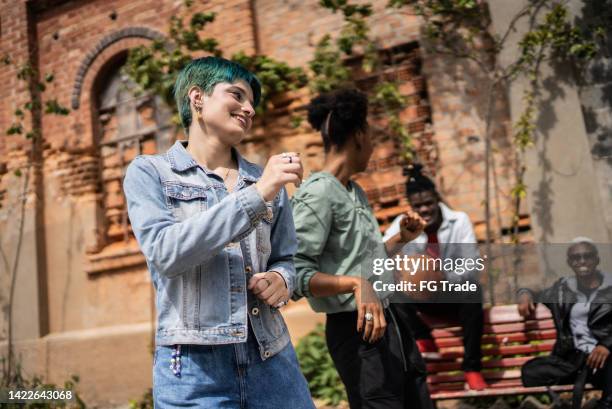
column 26, row 120
column 154, row 67
column 329, row 70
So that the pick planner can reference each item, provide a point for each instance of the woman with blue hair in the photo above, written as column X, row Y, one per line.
column 218, row 236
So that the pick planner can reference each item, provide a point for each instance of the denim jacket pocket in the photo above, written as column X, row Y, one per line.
column 184, row 199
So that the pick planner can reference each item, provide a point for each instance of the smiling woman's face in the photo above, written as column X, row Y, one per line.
column 228, row 111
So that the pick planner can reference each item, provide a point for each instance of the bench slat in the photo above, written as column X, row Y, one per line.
column 498, row 328
column 509, row 313
column 530, row 349
column 435, row 367
column 502, row 314
column 487, row 374
column 460, row 386
column 505, row 390
column 501, row 338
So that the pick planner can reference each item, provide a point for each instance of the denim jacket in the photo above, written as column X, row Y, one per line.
column 202, row 244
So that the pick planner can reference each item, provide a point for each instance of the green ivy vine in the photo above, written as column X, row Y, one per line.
column 330, row 72
column 154, row 66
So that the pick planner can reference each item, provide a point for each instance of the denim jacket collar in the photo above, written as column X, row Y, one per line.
column 181, row 160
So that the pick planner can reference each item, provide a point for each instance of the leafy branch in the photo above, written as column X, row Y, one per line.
column 330, row 71
column 154, row 67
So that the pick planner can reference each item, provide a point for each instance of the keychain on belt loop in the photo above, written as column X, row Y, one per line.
column 175, row 361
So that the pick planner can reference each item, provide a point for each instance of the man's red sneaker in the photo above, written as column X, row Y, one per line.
column 426, row 345
column 428, row 349
column 475, row 381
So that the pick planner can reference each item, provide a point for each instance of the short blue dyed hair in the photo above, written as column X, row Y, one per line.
column 205, row 73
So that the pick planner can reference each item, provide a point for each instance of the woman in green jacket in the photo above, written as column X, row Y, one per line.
column 338, row 238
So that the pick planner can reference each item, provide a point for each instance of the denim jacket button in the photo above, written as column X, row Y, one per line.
column 267, row 354
column 255, row 311
column 248, row 269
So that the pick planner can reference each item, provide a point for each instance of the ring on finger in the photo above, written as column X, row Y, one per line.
column 281, row 304
column 368, row 316
column 286, row 155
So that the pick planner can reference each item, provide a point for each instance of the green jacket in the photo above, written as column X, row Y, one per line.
column 337, row 234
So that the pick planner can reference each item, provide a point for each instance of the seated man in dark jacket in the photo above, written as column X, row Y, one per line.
column 581, row 307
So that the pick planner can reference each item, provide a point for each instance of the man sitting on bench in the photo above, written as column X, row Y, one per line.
column 581, row 307
column 448, row 235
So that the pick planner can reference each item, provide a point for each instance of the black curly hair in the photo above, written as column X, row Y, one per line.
column 416, row 181
column 339, row 115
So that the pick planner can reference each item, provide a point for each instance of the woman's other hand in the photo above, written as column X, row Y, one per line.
column 370, row 312
column 269, row 287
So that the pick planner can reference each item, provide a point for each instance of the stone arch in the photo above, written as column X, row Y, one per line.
column 113, row 154
column 130, row 32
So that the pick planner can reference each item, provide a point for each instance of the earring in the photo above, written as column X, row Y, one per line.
column 198, row 109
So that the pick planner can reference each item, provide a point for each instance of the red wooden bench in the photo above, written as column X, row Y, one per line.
column 508, row 342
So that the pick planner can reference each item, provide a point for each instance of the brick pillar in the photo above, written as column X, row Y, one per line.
column 29, row 307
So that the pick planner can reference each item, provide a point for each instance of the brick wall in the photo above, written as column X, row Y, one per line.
column 19, row 46
column 458, row 99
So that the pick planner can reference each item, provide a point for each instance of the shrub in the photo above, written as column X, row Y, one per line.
column 318, row 368
column 145, row 402
column 18, row 380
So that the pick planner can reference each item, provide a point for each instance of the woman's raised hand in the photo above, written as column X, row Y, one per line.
column 281, row 169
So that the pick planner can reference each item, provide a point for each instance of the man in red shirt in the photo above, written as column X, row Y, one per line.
column 449, row 236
